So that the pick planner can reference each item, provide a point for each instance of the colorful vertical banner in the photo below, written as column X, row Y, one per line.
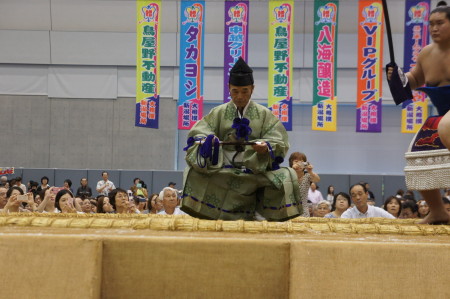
column 147, row 63
column 235, row 39
column 415, row 111
column 190, row 101
column 370, row 58
column 324, row 110
column 281, row 46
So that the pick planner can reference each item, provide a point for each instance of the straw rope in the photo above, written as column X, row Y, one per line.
column 298, row 225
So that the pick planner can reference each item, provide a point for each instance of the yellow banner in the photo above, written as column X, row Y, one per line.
column 147, row 63
column 281, row 45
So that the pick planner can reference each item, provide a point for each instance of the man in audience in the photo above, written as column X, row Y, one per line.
column 84, row 189
column 3, row 199
column 361, row 209
column 105, row 186
column 3, row 181
column 20, row 185
column 409, row 210
column 170, row 202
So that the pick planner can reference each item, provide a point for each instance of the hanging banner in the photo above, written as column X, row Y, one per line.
column 235, row 39
column 324, row 110
column 147, row 63
column 370, row 58
column 281, row 46
column 190, row 101
column 6, row 170
column 415, row 111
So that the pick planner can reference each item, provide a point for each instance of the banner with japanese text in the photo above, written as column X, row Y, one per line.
column 369, row 74
column 6, row 170
column 324, row 110
column 281, row 46
column 235, row 39
column 147, row 63
column 190, row 101
column 414, row 111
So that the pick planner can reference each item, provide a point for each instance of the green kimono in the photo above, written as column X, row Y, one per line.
column 236, row 188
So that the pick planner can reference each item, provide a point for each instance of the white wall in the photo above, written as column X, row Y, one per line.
column 85, row 49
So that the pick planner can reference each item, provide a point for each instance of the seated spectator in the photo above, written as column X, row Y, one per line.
column 86, row 206
column 14, row 202
column 68, row 185
column 424, row 209
column 447, row 193
column 446, row 202
column 393, row 205
column 103, row 205
column 37, row 199
column 3, row 181
column 33, row 187
column 170, row 202
column 314, row 195
column 370, row 202
column 359, row 196
column 44, row 184
column 341, row 202
column 139, row 188
column 84, row 189
column 154, row 204
column 93, row 205
column 118, row 198
column 20, row 185
column 141, row 203
column 3, row 199
column 400, row 193
column 64, row 201
column 48, row 203
column 321, row 209
column 330, row 194
column 409, row 210
column 172, row 185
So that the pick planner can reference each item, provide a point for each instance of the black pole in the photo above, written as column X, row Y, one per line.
column 388, row 31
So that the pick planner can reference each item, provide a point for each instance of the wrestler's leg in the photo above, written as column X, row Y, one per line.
column 444, row 130
column 437, row 214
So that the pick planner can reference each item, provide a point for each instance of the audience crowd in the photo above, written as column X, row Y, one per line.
column 358, row 202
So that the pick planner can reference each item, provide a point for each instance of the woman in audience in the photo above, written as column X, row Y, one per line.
column 341, row 202
column 154, row 204
column 64, row 201
column 48, row 203
column 86, row 206
column 330, row 194
column 393, row 205
column 305, row 175
column 118, row 198
column 423, row 208
column 314, row 195
column 44, row 184
column 170, row 202
column 14, row 203
column 103, row 205
column 139, row 188
column 322, row 208
column 93, row 205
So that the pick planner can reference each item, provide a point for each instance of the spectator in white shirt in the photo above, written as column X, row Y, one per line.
column 359, row 195
column 314, row 195
column 105, row 186
column 170, row 202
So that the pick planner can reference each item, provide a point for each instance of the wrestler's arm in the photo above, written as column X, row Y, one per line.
column 416, row 77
